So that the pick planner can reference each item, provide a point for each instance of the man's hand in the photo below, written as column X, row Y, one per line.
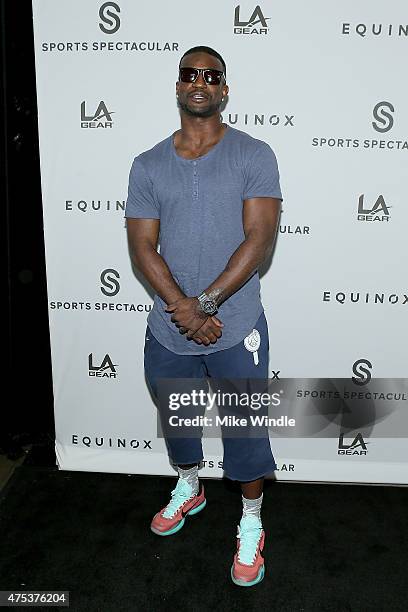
column 187, row 314
column 208, row 333
column 208, row 329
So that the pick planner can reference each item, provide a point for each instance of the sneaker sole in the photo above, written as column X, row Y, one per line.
column 258, row 579
column 181, row 523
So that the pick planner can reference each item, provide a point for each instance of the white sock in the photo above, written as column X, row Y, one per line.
column 252, row 507
column 191, row 476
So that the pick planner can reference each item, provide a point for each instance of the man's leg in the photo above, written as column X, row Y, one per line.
column 250, row 458
column 185, row 453
column 252, row 490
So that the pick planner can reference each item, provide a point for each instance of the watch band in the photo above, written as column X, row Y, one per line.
column 208, row 306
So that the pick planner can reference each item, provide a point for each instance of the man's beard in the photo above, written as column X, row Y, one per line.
column 212, row 109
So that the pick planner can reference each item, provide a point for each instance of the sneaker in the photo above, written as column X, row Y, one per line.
column 172, row 517
column 248, row 567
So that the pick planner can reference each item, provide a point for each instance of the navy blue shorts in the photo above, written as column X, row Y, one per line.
column 245, row 459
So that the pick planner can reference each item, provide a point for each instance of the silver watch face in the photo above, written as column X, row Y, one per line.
column 209, row 306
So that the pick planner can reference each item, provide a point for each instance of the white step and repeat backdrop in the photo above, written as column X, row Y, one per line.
column 324, row 84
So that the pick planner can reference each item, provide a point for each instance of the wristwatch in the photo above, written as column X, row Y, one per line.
column 207, row 305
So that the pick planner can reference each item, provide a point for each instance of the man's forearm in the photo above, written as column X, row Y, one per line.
column 240, row 267
column 156, row 271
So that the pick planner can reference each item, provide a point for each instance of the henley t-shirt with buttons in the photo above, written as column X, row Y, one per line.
column 200, row 203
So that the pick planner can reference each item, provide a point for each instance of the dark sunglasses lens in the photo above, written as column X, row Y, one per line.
column 212, row 77
column 188, row 75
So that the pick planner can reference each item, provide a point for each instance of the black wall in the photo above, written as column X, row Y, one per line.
column 27, row 409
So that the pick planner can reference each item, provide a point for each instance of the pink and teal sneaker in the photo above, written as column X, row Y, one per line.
column 248, row 567
column 172, row 517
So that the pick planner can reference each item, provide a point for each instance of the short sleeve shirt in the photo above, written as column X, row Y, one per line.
column 200, row 203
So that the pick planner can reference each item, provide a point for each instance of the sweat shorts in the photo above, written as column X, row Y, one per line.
column 245, row 459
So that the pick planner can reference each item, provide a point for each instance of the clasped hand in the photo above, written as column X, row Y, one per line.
column 188, row 317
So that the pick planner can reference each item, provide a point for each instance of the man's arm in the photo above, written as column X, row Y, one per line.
column 143, row 235
column 260, row 222
column 143, row 226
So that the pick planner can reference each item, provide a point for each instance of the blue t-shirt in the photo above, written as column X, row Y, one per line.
column 199, row 203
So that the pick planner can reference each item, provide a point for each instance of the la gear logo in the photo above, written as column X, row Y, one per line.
column 379, row 211
column 102, row 118
column 107, row 369
column 255, row 25
column 357, row 447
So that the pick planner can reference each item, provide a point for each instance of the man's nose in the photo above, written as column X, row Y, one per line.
column 200, row 80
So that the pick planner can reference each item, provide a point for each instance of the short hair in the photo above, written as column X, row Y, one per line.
column 204, row 49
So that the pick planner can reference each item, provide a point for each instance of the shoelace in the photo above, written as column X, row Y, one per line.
column 249, row 537
column 179, row 495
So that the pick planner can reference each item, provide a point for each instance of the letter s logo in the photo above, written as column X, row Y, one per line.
column 108, row 17
column 386, row 120
column 111, row 285
column 363, row 374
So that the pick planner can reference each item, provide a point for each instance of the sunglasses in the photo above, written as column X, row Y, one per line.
column 210, row 75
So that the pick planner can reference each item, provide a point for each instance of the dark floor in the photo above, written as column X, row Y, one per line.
column 328, row 547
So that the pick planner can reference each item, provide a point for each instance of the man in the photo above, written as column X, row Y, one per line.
column 212, row 194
